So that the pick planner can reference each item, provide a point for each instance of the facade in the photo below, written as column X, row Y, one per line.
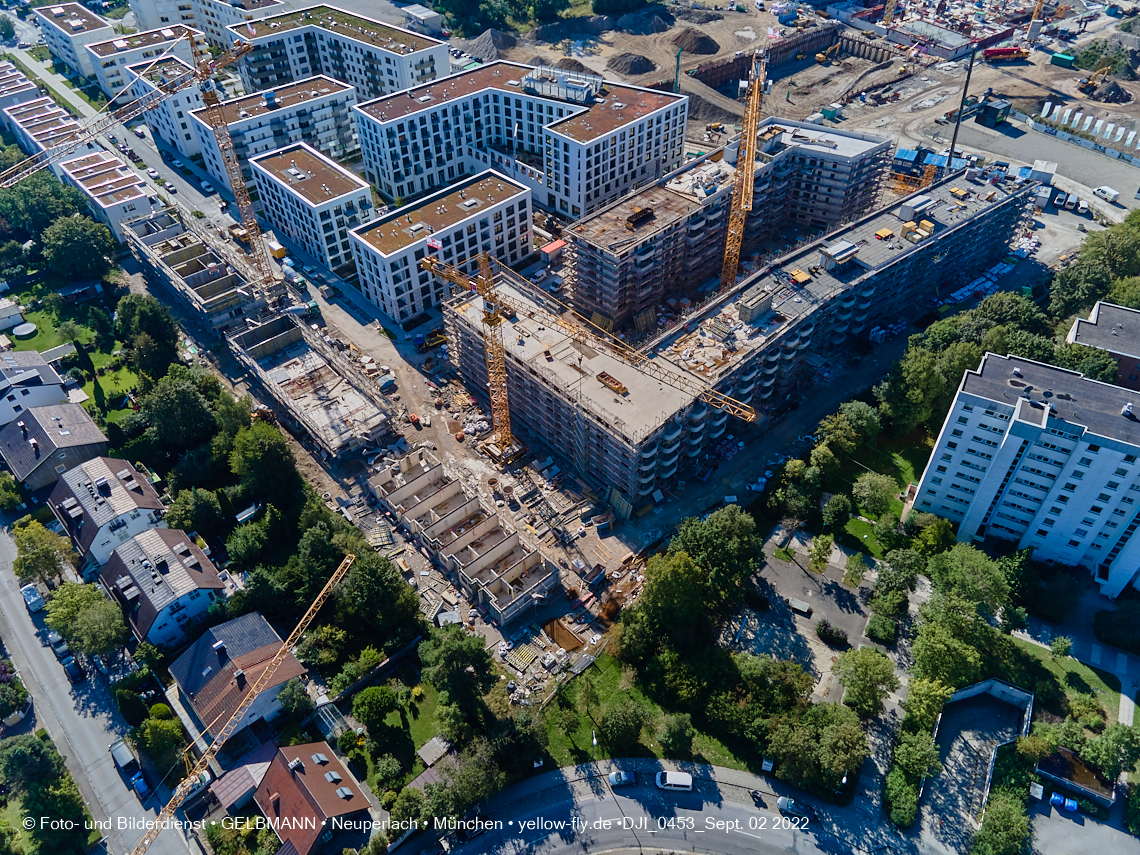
column 1115, row 329
column 486, row 212
column 667, row 240
column 26, row 380
column 67, row 29
column 170, row 119
column 163, row 582
column 374, row 57
column 15, row 89
column 113, row 58
column 316, row 111
column 155, row 14
column 115, row 192
column 496, row 568
column 216, row 671
column 212, row 17
column 622, row 427
column 1046, row 458
column 40, row 124
column 577, row 141
column 102, row 504
column 45, row 442
column 313, row 201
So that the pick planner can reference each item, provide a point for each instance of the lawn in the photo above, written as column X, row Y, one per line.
column 405, row 732
column 1077, row 677
column 577, row 746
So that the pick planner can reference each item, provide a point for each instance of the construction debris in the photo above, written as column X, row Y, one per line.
column 1110, row 92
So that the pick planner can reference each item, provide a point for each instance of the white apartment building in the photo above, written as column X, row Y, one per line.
column 313, row 201
column 170, row 120
column 112, row 59
column 115, row 192
column 40, row 124
column 316, row 111
column 372, row 56
column 577, row 141
column 215, row 17
column 484, row 212
column 67, row 29
column 154, row 14
column 1044, row 457
column 15, row 88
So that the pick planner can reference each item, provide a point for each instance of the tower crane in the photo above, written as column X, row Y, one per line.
column 745, row 175
column 189, row 782
column 889, row 12
column 578, row 329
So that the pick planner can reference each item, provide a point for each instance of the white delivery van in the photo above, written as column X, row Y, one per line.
column 1107, row 193
column 1071, row 202
column 680, row 781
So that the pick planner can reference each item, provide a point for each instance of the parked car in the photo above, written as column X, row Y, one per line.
column 177, row 164
column 1061, row 199
column 170, row 188
column 153, row 173
column 112, row 138
column 58, row 645
column 207, row 187
column 124, row 757
column 74, row 670
column 139, row 133
column 478, row 822
column 23, row 45
column 139, row 785
column 1083, row 208
column 32, row 598
column 793, row 808
column 678, row 781
column 621, row 779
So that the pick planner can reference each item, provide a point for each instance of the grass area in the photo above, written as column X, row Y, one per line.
column 785, row 554
column 1076, row 677
column 45, row 338
column 40, row 53
column 579, row 9
column 576, row 745
column 860, row 535
column 118, row 13
column 405, row 732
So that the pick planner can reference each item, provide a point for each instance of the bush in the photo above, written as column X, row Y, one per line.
column 882, row 629
column 830, row 635
column 161, row 712
column 131, row 706
column 1096, row 811
column 1132, row 809
column 388, row 799
column 902, row 798
column 889, row 603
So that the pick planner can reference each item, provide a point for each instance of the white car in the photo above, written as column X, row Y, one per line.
column 207, row 187
column 32, row 598
column 153, row 173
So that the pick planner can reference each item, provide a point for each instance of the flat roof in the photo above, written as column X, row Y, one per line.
column 63, row 14
column 13, row 82
column 935, row 32
column 1109, row 327
column 150, row 38
column 309, row 174
column 419, row 220
column 588, row 122
column 105, row 178
column 284, row 97
column 624, row 223
column 394, row 40
column 162, row 71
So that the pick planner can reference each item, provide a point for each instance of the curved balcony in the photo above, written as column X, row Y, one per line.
column 670, row 458
column 671, row 433
column 847, row 300
column 803, row 342
column 807, row 329
column 867, row 291
column 745, row 388
column 772, row 355
column 693, row 452
column 767, row 381
column 843, row 313
column 645, row 491
column 649, row 465
column 744, row 399
column 857, row 328
column 668, row 472
column 720, row 418
column 647, row 477
column 717, row 431
column 840, row 328
column 789, row 353
column 697, row 432
column 750, row 372
column 699, row 412
column 772, row 369
column 648, row 453
column 763, row 394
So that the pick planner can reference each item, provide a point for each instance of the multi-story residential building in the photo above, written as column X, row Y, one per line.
column 113, row 58
column 26, row 381
column 667, row 240
column 1046, row 458
column 577, row 141
column 170, row 119
column 155, row 14
column 316, row 111
column 115, row 192
column 40, row 124
column 486, row 212
column 313, row 201
column 102, row 504
column 374, row 57
column 1115, row 329
column 15, row 89
column 45, row 442
column 163, row 582
column 67, row 29
column 622, row 427
column 215, row 18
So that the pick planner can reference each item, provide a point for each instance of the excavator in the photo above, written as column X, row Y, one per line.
column 1088, row 84
column 826, row 56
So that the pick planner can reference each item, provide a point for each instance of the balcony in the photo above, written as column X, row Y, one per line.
column 772, row 356
column 648, row 453
column 700, row 410
column 667, row 471
column 843, row 313
column 671, row 433
column 847, row 300
column 717, row 431
column 751, row 372
column 745, row 388
column 696, row 450
column 719, row 418
column 649, row 465
column 697, row 435
column 763, row 394
column 647, row 477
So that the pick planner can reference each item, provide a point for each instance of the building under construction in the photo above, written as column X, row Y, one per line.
column 665, row 244
column 781, row 330
column 495, row 567
column 340, row 411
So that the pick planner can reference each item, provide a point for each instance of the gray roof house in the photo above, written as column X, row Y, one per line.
column 27, row 381
column 45, row 442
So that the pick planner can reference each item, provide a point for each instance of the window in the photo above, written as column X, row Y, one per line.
column 1048, row 522
column 1064, row 500
column 1074, row 543
column 1081, row 532
column 1054, row 510
column 1093, row 449
column 1041, row 532
column 1112, row 485
column 956, row 433
column 1096, row 509
column 951, row 445
column 962, row 420
column 1104, row 497
column 1070, row 487
column 1086, row 461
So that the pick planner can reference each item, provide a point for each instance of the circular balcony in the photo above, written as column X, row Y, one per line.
column 671, row 433
column 745, row 388
column 645, row 491
column 719, row 418
column 717, row 431
column 648, row 453
column 843, row 313
column 670, row 458
column 647, row 477
column 750, row 373
column 699, row 412
column 847, row 300
column 697, row 432
column 772, row 355
column 773, row 369
column 693, row 452
column 767, row 381
column 763, row 394
column 668, row 471
column 647, row 465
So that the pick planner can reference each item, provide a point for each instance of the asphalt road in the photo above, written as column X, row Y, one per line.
column 81, row 719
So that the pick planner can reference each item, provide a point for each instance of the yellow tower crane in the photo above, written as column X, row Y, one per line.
column 577, row 328
column 889, row 12
column 259, row 685
column 745, row 175
column 1037, row 10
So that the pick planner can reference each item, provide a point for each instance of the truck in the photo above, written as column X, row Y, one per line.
column 1107, row 193
column 239, row 234
column 1004, row 54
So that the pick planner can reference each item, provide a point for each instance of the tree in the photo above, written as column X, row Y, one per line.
column 36, row 202
column 941, row 656
column 837, row 511
column 295, row 701
column 823, row 458
column 372, row 706
column 69, row 330
column 1094, row 363
column 674, row 602
column 322, row 646
column 99, row 628
column 7, row 29
column 924, row 702
column 197, row 510
column 246, row 544
column 974, row 576
column 864, row 418
column 42, row 554
column 1116, row 749
column 101, row 324
column 9, row 493
column 621, row 724
column 176, row 413
column 374, row 594
column 819, row 553
column 409, row 807
column 588, row 693
column 899, row 571
column 868, row 676
column 77, row 247
column 159, row 740
column 725, row 546
column 456, row 663
column 262, row 460
column 67, row 603
column 1005, row 828
column 1006, row 308
column 1061, row 646
column 60, row 800
column 138, row 315
column 935, row 538
column 545, row 11
column 873, row 492
column 676, row 735
column 27, row 761
column 838, row 433
column 917, row 754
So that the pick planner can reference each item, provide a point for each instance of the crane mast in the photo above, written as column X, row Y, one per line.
column 889, row 12
column 745, row 175
column 189, row 782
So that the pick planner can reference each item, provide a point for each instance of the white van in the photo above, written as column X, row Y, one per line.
column 680, row 781
column 1071, row 202
column 1107, row 193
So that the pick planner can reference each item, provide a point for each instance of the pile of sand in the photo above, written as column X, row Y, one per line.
column 691, row 41
column 699, row 16
column 630, row 63
column 488, row 45
column 568, row 63
column 644, row 24
column 1110, row 92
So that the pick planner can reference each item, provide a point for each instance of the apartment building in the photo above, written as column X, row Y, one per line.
column 486, row 212
column 212, row 17
column 45, row 442
column 374, row 57
column 1115, row 329
column 115, row 192
column 155, row 14
column 26, row 380
column 622, row 428
column 577, row 141
column 41, row 124
column 15, row 89
column 68, row 29
column 1046, row 458
column 667, row 240
column 113, row 58
column 170, row 119
column 316, row 111
column 313, row 201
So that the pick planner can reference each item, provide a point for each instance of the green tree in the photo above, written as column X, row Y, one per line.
column 868, row 676
column 1061, row 646
column 374, row 594
column 588, row 694
column 160, row 740
column 942, row 656
column 7, row 29
column 823, row 458
column 101, row 324
column 545, row 11
column 899, row 570
column 99, row 628
column 621, row 724
column 68, row 602
column 176, row 413
column 372, row 706
column 971, row 574
column 864, row 418
column 838, row 432
column 196, row 510
column 456, row 663
column 409, row 806
column 676, row 735
column 917, row 754
column 9, row 493
column 873, row 492
column 77, row 247
column 674, row 602
column 60, row 800
column 42, row 555
column 262, row 460
column 819, row 553
column 725, row 547
column 144, row 322
column 1005, row 827
column 837, row 511
column 934, row 538
column 69, row 331
column 27, row 761
column 924, row 702
column 1094, row 363
column 31, row 206
column 295, row 701
column 1012, row 310
column 322, row 646
column 246, row 544
column 1115, row 750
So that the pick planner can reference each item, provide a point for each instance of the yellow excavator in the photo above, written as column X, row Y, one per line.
column 826, row 56
column 1087, row 84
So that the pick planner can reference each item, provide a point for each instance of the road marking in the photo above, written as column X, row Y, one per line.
column 749, row 834
column 1094, row 654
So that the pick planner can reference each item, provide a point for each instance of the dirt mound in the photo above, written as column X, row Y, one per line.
column 630, row 63
column 568, row 63
column 488, row 45
column 691, row 41
column 1111, row 92
column 699, row 16
column 644, row 24
column 538, row 60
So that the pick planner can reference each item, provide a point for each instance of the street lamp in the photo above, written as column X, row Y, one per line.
column 595, row 751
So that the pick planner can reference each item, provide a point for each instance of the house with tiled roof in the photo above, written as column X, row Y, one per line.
column 45, row 442
column 26, row 380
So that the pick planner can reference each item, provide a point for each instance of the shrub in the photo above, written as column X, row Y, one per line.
column 902, row 798
column 388, row 799
column 882, row 629
column 131, row 706
column 1096, row 811
column 161, row 712
column 889, row 603
column 1132, row 809
column 830, row 635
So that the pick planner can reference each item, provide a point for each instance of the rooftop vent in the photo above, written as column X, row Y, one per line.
column 344, row 792
column 320, row 759
column 332, row 777
column 1126, row 410
column 296, row 763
